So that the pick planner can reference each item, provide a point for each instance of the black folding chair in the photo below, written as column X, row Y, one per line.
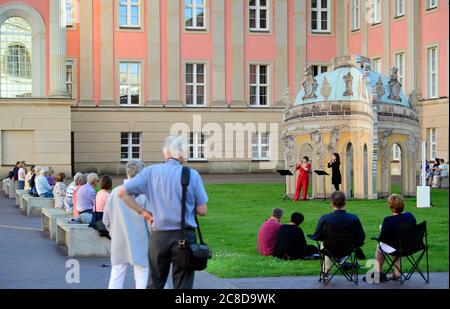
column 411, row 243
column 339, row 244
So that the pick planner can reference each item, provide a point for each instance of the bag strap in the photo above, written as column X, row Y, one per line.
column 185, row 177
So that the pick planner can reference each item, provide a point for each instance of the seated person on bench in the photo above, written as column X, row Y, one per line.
column 43, row 188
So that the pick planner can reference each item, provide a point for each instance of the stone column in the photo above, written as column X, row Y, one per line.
column 386, row 60
column 342, row 27
column 300, row 29
column 218, row 63
column 173, row 53
column 106, row 53
column 57, row 49
column 86, row 54
column 237, row 41
column 154, row 53
column 281, row 64
column 414, row 53
column 364, row 26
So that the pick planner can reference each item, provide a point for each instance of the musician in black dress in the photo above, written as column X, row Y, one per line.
column 335, row 164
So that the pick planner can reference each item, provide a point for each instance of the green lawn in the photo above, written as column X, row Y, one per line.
column 236, row 212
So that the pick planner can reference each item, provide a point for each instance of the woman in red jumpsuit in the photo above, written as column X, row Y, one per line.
column 303, row 179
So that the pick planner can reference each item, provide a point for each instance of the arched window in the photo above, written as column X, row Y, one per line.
column 15, row 57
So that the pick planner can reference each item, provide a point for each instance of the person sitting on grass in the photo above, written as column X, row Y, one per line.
column 59, row 191
column 103, row 194
column 291, row 243
column 267, row 235
column 390, row 229
column 340, row 216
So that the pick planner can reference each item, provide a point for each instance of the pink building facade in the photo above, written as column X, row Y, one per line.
column 124, row 72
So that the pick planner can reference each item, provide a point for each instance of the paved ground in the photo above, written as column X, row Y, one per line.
column 29, row 259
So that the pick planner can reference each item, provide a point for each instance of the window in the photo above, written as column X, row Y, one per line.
column 15, row 58
column 258, row 15
column 396, row 152
column 130, row 146
column 69, row 78
column 260, row 146
column 320, row 15
column 259, row 85
column 432, row 142
column 432, row 76
column 376, row 11
column 399, row 8
column 69, row 13
column 400, row 65
column 194, row 14
column 431, row 4
column 195, row 84
column 376, row 65
column 129, row 15
column 319, row 69
column 356, row 14
column 197, row 146
column 130, row 84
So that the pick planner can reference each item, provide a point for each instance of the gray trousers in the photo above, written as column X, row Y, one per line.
column 164, row 251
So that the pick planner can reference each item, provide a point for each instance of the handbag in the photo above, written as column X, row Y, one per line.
column 196, row 255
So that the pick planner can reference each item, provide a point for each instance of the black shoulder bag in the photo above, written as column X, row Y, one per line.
column 97, row 223
column 196, row 254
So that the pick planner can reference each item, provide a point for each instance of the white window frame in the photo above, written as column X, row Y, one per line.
column 69, row 5
column 356, row 15
column 258, row 84
column 258, row 8
column 433, row 72
column 130, row 146
column 197, row 147
column 431, row 4
column 194, row 6
column 400, row 65
column 129, row 84
column 129, row 4
column 259, row 145
column 194, row 84
column 399, row 8
column 71, row 63
column 376, row 64
column 432, row 143
column 376, row 11
column 396, row 152
column 319, row 10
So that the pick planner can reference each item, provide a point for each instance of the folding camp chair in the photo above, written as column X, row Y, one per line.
column 411, row 243
column 339, row 244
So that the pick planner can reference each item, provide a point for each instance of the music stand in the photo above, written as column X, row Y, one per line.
column 323, row 173
column 285, row 173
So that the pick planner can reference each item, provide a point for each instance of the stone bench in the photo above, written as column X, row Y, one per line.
column 12, row 187
column 80, row 240
column 32, row 206
column 19, row 193
column 48, row 219
column 22, row 199
column 5, row 185
column 444, row 182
